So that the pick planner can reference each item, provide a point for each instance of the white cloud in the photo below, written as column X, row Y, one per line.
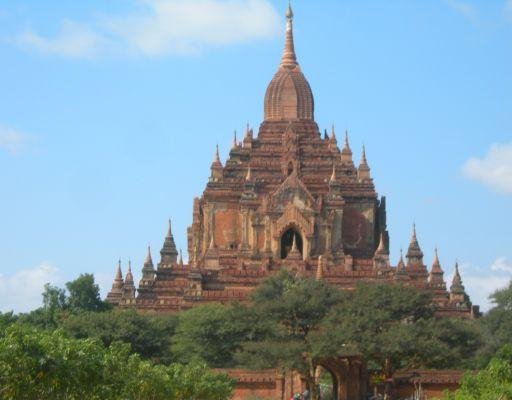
column 502, row 264
column 494, row 169
column 463, row 8
column 73, row 40
column 162, row 27
column 11, row 140
column 22, row 290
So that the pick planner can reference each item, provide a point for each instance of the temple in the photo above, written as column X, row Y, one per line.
column 286, row 198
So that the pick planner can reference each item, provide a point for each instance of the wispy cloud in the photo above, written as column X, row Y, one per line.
column 465, row 9
column 162, row 27
column 502, row 264
column 508, row 10
column 494, row 169
column 74, row 40
column 12, row 140
column 22, row 290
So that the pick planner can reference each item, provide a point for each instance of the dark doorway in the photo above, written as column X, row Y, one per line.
column 287, row 242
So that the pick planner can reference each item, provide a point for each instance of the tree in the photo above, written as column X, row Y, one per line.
column 148, row 335
column 492, row 383
column 453, row 343
column 6, row 319
column 54, row 298
column 497, row 323
column 47, row 365
column 212, row 333
column 84, row 295
column 384, row 323
column 295, row 307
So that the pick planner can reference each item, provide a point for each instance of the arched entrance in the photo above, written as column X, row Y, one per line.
column 328, row 384
column 287, row 241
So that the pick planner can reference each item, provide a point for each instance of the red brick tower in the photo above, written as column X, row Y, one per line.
column 285, row 198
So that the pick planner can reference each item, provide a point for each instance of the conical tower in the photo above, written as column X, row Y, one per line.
column 457, row 291
column 115, row 294
column 169, row 253
column 400, row 267
column 346, row 153
column 148, row 270
column 147, row 281
column 363, row 171
column 436, row 276
column 216, row 167
column 414, row 254
column 129, row 286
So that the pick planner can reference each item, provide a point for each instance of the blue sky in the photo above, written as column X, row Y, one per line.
column 110, row 112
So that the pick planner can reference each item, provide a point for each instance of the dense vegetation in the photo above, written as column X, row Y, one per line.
column 75, row 342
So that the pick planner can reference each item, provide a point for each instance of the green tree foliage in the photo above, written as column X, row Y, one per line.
column 6, row 319
column 391, row 326
column 54, row 298
column 213, row 333
column 452, row 343
column 48, row 365
column 84, row 295
column 492, row 383
column 295, row 307
column 497, row 323
column 149, row 335
column 382, row 323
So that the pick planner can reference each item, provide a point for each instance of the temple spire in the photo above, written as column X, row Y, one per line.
column 414, row 254
column 235, row 143
column 216, row 167
column 148, row 270
column 400, row 268
column 129, row 286
column 363, row 172
column 180, row 261
column 168, row 253
column 115, row 294
column 333, row 134
column 457, row 286
column 436, row 273
column 457, row 291
column 346, row 152
column 436, row 265
column 289, row 59
column 169, row 230
column 216, row 158
column 347, row 146
column 148, row 260
column 119, row 274
column 129, row 275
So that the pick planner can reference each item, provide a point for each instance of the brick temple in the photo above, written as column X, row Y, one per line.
column 286, row 198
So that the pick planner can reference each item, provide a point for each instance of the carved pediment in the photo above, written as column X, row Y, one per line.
column 294, row 216
column 292, row 191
